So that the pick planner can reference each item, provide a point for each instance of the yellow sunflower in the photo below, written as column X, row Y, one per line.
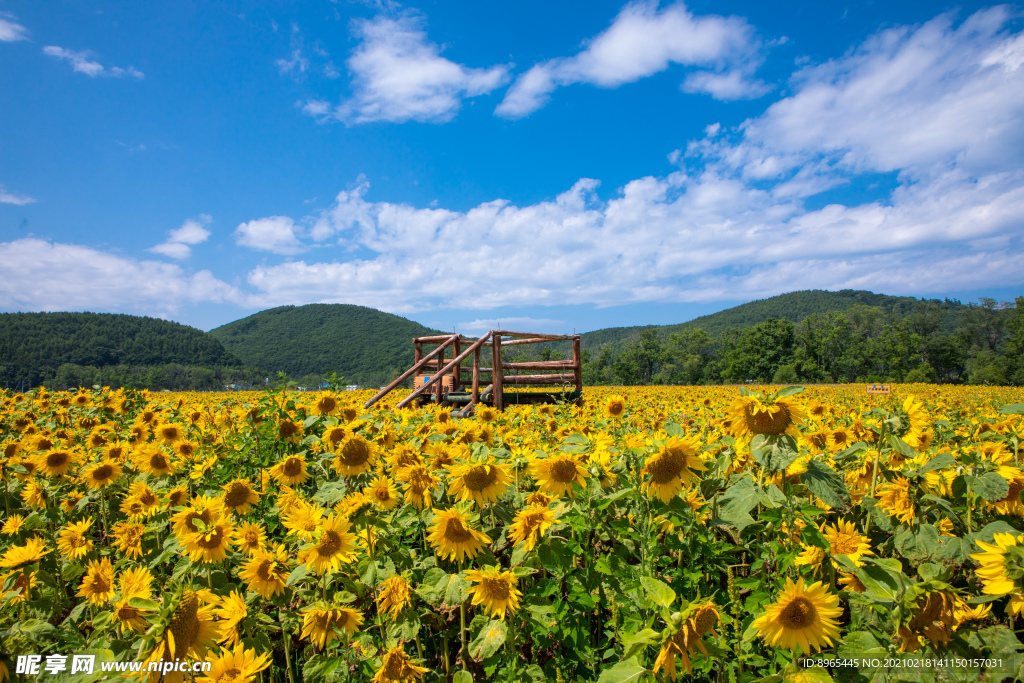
column 290, row 471
column 127, row 537
column 230, row 613
column 393, row 596
column 846, row 540
column 211, row 544
column 454, row 537
column 398, row 667
column 98, row 584
column 334, row 545
column 151, row 459
column 481, row 482
column 751, row 414
column 18, row 556
column 529, row 525
column 557, row 473
column 321, row 623
column 250, row 537
column 382, row 493
column 615, row 406
column 419, row 483
column 355, row 455
column 801, row 617
column 73, row 540
column 266, row 572
column 239, row 495
column 186, row 634
column 895, row 498
column 1000, row 564
column 240, row 665
column 672, row 468
column 101, row 474
column 495, row 590
column 12, row 525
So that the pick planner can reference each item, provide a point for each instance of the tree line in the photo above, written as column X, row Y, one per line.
column 861, row 344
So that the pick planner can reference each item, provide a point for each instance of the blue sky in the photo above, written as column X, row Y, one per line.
column 545, row 166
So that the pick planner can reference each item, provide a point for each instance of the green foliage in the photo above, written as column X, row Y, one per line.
column 82, row 349
column 364, row 345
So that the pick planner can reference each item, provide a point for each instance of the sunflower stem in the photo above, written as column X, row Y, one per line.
column 462, row 627
column 287, row 647
column 874, row 476
column 103, row 512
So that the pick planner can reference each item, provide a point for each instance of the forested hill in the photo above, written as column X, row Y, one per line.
column 35, row 346
column 363, row 345
column 794, row 307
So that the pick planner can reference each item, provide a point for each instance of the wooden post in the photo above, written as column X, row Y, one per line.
column 577, row 361
column 499, row 402
column 457, row 379
column 439, row 386
column 418, row 355
column 476, row 375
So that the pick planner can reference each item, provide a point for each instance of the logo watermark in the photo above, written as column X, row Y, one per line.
column 34, row 665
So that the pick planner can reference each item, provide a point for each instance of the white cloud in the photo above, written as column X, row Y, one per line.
column 298, row 64
column 178, row 240
column 939, row 106
column 399, row 75
column 37, row 275
column 11, row 198
column 642, row 41
column 275, row 234
column 10, row 29
column 512, row 323
column 83, row 63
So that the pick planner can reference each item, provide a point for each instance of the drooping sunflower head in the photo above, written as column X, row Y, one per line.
column 530, row 524
column 393, row 596
column 932, row 616
column 183, row 628
column 1002, row 564
column 398, row 667
column 419, row 483
column 323, row 623
column 672, row 468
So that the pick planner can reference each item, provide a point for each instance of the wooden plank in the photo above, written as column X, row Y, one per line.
column 499, row 404
column 577, row 362
column 531, row 340
column 537, row 379
column 432, row 340
column 476, row 375
column 536, row 335
column 438, row 375
column 411, row 371
column 539, row 364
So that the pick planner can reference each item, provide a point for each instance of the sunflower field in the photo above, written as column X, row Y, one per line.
column 647, row 534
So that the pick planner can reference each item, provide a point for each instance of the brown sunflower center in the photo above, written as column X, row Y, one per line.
column 668, row 465
column 231, row 675
column 330, row 544
column 267, row 570
column 382, row 494
column 326, row 404
column 615, row 408
column 563, row 471
column 158, row 462
column 99, row 583
column 456, row 532
column 169, row 433
column 102, row 473
column 846, row 544
column 148, row 498
column 497, row 589
column 212, row 540
column 292, row 467
column 237, row 495
column 57, row 459
column 839, row 437
column 705, row 621
column 355, row 453
column 768, row 422
column 799, row 613
column 480, row 477
column 287, row 428
column 336, row 435
column 126, row 613
column 192, row 516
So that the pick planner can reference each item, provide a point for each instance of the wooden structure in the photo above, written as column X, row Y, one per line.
column 879, row 389
column 453, row 374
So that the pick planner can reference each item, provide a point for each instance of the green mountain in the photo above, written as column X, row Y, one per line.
column 34, row 347
column 794, row 307
column 363, row 345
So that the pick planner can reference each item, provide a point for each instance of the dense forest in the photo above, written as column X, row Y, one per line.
column 82, row 349
column 794, row 307
column 363, row 345
column 943, row 342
